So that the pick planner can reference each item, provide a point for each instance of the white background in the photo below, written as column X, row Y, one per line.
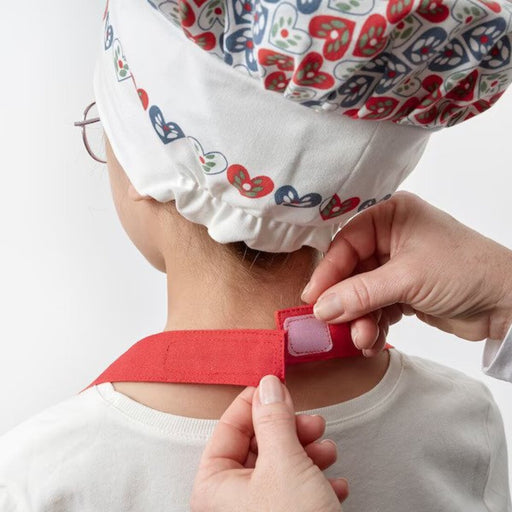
column 75, row 293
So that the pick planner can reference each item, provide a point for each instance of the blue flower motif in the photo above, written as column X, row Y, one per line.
column 241, row 41
column 355, row 90
column 426, row 45
column 259, row 23
column 484, row 36
column 452, row 56
column 499, row 55
column 288, row 196
column 168, row 132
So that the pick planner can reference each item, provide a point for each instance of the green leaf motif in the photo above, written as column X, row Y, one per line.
column 406, row 33
column 337, row 24
column 343, row 6
column 210, row 164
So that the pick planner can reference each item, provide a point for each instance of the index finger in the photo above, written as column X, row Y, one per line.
column 229, row 445
column 362, row 237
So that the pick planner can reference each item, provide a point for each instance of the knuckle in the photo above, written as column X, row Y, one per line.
column 360, row 295
column 276, row 418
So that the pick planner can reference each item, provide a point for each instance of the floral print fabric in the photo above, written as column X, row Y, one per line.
column 427, row 63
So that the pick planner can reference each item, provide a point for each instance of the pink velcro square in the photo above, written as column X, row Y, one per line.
column 307, row 335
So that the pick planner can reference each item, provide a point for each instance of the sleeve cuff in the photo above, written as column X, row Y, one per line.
column 497, row 357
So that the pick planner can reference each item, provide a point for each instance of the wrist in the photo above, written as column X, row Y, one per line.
column 501, row 317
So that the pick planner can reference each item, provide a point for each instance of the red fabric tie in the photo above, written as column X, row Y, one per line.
column 232, row 356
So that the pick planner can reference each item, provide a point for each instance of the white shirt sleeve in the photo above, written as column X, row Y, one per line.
column 497, row 357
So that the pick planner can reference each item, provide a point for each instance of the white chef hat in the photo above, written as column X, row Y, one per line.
column 274, row 122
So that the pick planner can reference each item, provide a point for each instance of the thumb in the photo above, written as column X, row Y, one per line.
column 363, row 293
column 274, row 421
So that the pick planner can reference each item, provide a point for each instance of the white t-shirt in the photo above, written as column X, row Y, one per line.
column 426, row 439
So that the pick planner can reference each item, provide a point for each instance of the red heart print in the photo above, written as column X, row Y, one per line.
column 432, row 84
column 397, row 10
column 187, row 16
column 380, row 107
column 308, row 73
column 276, row 81
column 272, row 58
column 256, row 187
column 465, row 89
column 406, row 108
column 451, row 110
column 143, row 95
column 494, row 6
column 433, row 10
column 372, row 38
column 427, row 116
column 337, row 33
column 335, row 207
column 206, row 40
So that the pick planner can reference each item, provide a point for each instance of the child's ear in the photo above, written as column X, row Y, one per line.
column 134, row 195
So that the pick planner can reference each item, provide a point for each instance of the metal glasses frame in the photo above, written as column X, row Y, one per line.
column 83, row 125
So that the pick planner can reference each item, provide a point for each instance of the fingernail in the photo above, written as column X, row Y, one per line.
column 271, row 390
column 355, row 335
column 306, row 290
column 329, row 441
column 327, row 307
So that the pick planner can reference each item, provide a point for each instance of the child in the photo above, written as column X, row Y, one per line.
column 192, row 142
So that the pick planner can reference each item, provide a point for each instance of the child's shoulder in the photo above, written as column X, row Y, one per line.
column 440, row 384
column 58, row 428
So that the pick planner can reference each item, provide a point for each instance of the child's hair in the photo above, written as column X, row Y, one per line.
column 265, row 266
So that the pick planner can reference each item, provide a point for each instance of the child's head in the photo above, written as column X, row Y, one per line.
column 161, row 233
column 280, row 141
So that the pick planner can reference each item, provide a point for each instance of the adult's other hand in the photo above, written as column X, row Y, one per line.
column 263, row 457
column 404, row 256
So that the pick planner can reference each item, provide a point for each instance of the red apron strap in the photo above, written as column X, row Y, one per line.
column 232, row 356
column 239, row 356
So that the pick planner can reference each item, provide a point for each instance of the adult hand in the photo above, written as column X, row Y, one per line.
column 279, row 469
column 404, row 256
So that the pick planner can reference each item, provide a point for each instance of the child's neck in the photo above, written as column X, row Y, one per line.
column 205, row 298
column 201, row 298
